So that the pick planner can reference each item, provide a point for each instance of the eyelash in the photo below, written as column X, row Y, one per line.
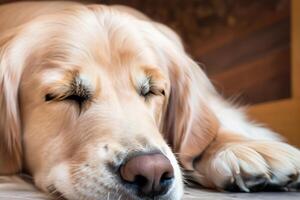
column 72, row 97
column 152, row 91
column 77, row 98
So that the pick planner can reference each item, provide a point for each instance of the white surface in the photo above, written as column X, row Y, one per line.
column 13, row 188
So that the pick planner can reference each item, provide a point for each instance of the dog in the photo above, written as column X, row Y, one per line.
column 100, row 102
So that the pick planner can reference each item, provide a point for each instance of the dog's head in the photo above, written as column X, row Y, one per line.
column 88, row 99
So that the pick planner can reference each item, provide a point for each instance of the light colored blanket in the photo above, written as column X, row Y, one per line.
column 16, row 188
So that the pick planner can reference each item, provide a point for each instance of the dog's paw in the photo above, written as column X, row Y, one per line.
column 249, row 167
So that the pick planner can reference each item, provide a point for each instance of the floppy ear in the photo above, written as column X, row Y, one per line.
column 10, row 133
column 189, row 124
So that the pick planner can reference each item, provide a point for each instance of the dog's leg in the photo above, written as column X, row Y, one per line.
column 245, row 156
column 234, row 162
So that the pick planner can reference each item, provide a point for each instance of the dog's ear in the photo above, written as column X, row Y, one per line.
column 10, row 130
column 189, row 123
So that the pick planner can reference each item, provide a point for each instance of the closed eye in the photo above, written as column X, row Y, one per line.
column 80, row 99
column 153, row 91
column 77, row 98
column 76, row 92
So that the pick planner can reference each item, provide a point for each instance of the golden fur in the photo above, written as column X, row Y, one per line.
column 106, row 56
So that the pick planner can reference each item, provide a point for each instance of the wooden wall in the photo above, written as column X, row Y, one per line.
column 284, row 116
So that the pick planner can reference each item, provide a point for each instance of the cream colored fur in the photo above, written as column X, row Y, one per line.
column 107, row 53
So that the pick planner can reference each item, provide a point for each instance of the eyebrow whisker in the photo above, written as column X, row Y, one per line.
column 145, row 86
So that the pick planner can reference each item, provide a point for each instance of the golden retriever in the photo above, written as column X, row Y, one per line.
column 96, row 101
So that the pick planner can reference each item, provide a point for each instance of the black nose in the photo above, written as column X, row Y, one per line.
column 150, row 175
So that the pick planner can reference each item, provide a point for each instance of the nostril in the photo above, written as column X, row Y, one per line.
column 166, row 177
column 140, row 181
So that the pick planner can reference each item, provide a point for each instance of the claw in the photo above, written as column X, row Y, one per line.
column 257, row 184
column 239, row 181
